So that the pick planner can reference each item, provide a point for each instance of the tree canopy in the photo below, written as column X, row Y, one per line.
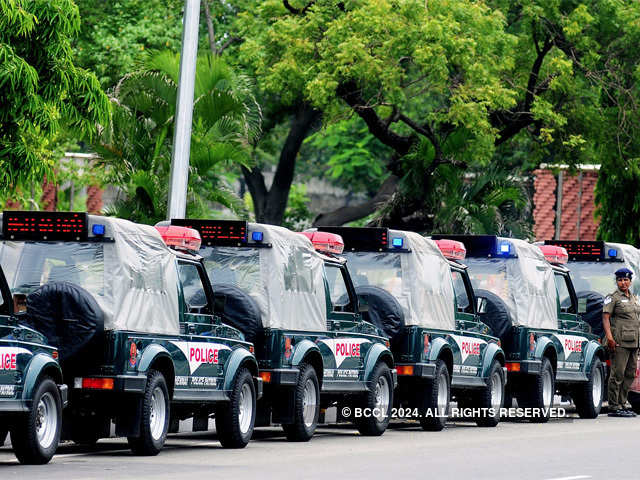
column 42, row 91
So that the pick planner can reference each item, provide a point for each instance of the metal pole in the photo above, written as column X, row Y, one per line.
column 177, row 206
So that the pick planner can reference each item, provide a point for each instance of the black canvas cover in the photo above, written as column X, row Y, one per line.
column 67, row 315
column 593, row 315
column 381, row 308
column 496, row 315
column 237, row 309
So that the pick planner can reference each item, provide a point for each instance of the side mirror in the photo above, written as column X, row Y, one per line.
column 582, row 305
column 481, row 305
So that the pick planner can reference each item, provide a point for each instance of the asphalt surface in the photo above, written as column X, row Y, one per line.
column 567, row 449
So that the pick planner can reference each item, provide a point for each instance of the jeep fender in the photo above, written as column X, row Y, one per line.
column 593, row 349
column 543, row 344
column 491, row 353
column 240, row 357
column 38, row 364
column 303, row 350
column 440, row 348
column 377, row 353
column 150, row 355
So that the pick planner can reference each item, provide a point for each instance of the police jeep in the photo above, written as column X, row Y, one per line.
column 299, row 308
column 133, row 321
column 426, row 305
column 32, row 394
column 532, row 307
column 593, row 265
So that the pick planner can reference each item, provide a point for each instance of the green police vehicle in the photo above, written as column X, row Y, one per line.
column 32, row 394
column 133, row 322
column 299, row 308
column 424, row 301
column 593, row 265
column 533, row 308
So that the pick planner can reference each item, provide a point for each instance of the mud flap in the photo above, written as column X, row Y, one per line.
column 128, row 419
column 282, row 409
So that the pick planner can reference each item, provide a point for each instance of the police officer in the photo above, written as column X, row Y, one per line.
column 621, row 322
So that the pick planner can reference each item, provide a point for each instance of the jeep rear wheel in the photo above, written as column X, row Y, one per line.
column 154, row 424
column 377, row 402
column 306, row 406
column 35, row 436
column 434, row 399
column 588, row 396
column 235, row 419
column 538, row 392
column 491, row 398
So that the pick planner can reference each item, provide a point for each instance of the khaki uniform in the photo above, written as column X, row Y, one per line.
column 625, row 327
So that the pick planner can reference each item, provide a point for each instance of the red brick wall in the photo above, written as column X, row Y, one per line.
column 574, row 205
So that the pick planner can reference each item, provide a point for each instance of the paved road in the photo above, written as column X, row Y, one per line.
column 567, row 449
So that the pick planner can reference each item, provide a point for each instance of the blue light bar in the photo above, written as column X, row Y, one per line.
column 257, row 236
column 505, row 248
column 97, row 229
column 397, row 242
column 613, row 252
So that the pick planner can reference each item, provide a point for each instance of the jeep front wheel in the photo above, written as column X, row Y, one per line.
column 538, row 392
column 377, row 403
column 491, row 398
column 235, row 419
column 434, row 399
column 588, row 396
column 36, row 435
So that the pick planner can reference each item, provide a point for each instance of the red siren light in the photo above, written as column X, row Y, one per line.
column 326, row 242
column 452, row 249
column 555, row 254
column 180, row 238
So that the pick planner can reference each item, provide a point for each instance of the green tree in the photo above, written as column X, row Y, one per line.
column 42, row 91
column 136, row 147
column 455, row 83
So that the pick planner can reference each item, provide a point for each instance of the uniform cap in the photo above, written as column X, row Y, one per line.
column 624, row 273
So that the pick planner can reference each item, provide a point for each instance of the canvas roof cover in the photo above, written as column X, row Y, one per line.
column 134, row 278
column 286, row 280
column 526, row 284
column 421, row 281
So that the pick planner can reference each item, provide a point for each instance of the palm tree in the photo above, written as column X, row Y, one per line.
column 136, row 145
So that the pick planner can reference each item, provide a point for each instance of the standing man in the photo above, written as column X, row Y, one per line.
column 621, row 322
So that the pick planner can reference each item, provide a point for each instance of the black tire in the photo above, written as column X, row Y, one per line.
column 233, row 427
column 634, row 400
column 536, row 388
column 433, row 414
column 496, row 316
column 33, row 447
column 305, row 415
column 3, row 437
column 492, row 397
column 384, row 310
column 238, row 309
column 154, row 424
column 381, row 383
column 588, row 395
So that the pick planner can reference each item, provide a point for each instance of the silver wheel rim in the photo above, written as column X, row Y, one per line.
column 443, row 395
column 547, row 390
column 382, row 398
column 309, row 403
column 46, row 420
column 158, row 415
column 496, row 390
column 597, row 387
column 245, row 410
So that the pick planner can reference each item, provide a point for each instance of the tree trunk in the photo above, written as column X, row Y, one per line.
column 269, row 205
column 348, row 214
column 210, row 32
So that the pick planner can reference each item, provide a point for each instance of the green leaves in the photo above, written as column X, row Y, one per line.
column 41, row 90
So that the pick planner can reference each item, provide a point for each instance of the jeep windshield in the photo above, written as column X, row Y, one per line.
column 594, row 276
column 382, row 270
column 29, row 265
column 234, row 266
column 489, row 274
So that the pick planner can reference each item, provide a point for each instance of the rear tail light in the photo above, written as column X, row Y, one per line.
column 513, row 366
column 54, row 354
column 266, row 377
column 405, row 369
column 94, row 383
